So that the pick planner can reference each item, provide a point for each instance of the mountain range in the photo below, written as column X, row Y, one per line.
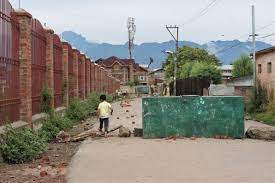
column 226, row 51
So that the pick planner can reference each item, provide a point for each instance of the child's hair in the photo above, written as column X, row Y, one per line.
column 102, row 97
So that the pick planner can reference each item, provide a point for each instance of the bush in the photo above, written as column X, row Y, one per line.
column 93, row 101
column 258, row 101
column 77, row 110
column 21, row 146
column 53, row 125
column 46, row 98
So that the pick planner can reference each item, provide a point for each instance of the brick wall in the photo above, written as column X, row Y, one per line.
column 264, row 76
column 84, row 76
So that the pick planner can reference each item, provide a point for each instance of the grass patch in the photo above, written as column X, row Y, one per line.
column 266, row 118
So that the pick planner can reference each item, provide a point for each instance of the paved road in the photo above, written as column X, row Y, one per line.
column 134, row 160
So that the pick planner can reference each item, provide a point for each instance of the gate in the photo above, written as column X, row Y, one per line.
column 38, row 64
column 58, row 71
column 191, row 86
column 9, row 64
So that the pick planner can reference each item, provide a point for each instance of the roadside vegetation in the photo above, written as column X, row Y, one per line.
column 194, row 62
column 259, row 108
column 242, row 67
column 19, row 146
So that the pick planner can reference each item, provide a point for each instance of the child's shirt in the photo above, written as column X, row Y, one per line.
column 104, row 110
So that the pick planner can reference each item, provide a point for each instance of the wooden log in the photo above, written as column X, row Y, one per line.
column 114, row 129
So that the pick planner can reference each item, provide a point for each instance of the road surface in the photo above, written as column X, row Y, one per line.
column 134, row 160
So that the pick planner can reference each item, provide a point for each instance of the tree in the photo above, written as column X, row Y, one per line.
column 243, row 67
column 193, row 62
column 205, row 70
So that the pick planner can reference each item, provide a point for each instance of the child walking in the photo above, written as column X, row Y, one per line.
column 104, row 112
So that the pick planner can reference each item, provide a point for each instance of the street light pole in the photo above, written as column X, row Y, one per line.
column 175, row 55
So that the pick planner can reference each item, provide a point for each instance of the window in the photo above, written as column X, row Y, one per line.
column 259, row 68
column 269, row 67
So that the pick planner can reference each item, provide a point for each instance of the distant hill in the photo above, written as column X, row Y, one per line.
column 226, row 51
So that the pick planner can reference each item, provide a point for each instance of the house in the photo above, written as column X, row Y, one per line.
column 157, row 76
column 265, row 70
column 226, row 72
column 243, row 86
column 124, row 70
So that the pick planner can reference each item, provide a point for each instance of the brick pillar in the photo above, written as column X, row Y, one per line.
column 75, row 79
column 96, row 77
column 49, row 63
column 65, row 60
column 25, row 60
column 88, row 74
column 92, row 73
column 83, row 60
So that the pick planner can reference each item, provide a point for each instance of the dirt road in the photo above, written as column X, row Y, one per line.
column 134, row 160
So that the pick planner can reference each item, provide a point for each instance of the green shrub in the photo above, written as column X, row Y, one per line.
column 77, row 110
column 21, row 146
column 110, row 98
column 93, row 101
column 258, row 101
column 46, row 98
column 271, row 109
column 53, row 125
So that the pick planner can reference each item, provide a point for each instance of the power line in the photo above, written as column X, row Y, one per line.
column 238, row 44
column 202, row 12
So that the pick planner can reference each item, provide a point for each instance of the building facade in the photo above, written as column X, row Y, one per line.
column 226, row 72
column 124, row 70
column 265, row 70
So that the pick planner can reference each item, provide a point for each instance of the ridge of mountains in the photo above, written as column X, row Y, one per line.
column 226, row 51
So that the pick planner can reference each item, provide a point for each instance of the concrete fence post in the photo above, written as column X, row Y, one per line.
column 25, row 68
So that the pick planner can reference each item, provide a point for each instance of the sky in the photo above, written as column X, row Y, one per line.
column 105, row 20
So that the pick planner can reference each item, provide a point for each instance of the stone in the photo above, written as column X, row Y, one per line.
column 63, row 137
column 43, row 173
column 138, row 132
column 124, row 132
column 261, row 133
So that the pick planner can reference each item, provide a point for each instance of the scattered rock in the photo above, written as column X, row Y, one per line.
column 45, row 159
column 86, row 128
column 117, row 118
column 43, row 174
column 124, row 132
column 63, row 137
column 39, row 167
column 261, row 133
column 127, row 111
column 133, row 122
column 138, row 132
column 132, row 116
column 193, row 138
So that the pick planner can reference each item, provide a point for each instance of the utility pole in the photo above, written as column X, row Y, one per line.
column 175, row 56
column 254, row 49
column 131, row 35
